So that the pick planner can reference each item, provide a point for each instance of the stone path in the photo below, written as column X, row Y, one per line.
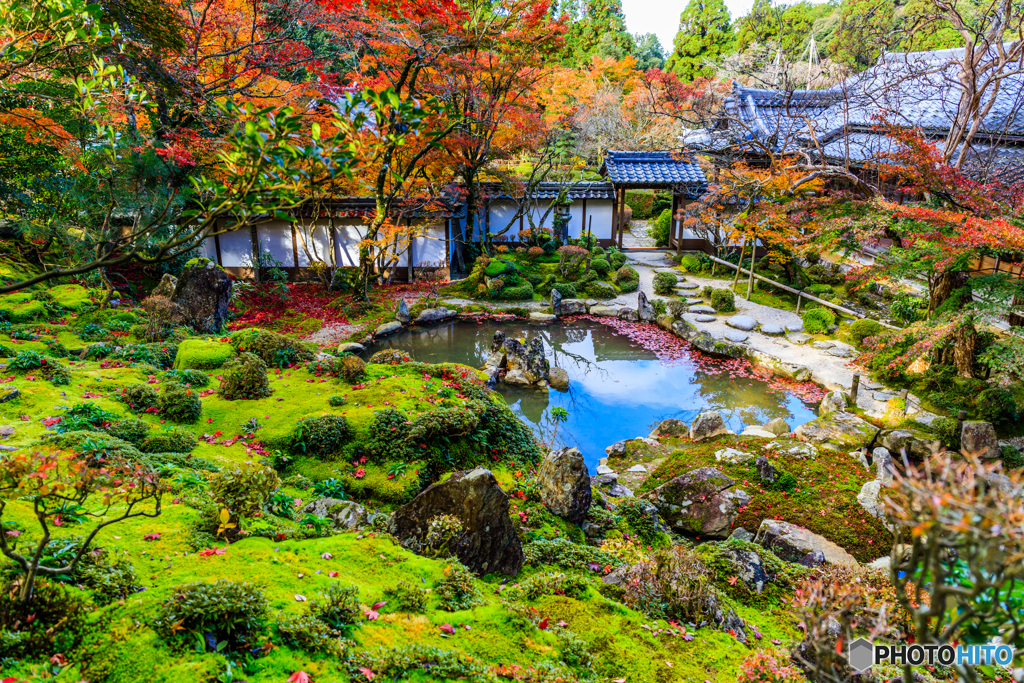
column 636, row 237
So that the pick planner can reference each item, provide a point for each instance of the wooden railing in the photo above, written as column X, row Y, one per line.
column 800, row 294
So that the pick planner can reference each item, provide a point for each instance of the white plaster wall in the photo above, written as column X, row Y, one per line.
column 348, row 233
column 430, row 247
column 601, row 210
column 318, row 241
column 275, row 238
column 236, row 248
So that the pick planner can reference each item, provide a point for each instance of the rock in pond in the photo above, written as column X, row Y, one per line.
column 670, row 427
column 565, row 484
column 387, row 328
column 489, row 541
column 604, row 311
column 778, row 426
column 558, row 379
column 433, row 315
column 703, row 502
column 573, row 307
column 718, row 347
column 707, row 425
column 628, row 313
column 402, row 314
column 833, row 401
column 645, row 308
column 537, row 316
column 350, row 347
column 792, row 543
column 556, row 302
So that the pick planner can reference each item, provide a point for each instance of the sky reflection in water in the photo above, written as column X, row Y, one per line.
column 618, row 390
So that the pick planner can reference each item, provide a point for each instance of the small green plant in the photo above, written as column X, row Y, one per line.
column 218, row 616
column 244, row 377
column 244, row 489
column 171, row 440
column 194, row 378
column 306, row 632
column 337, row 401
column 84, row 416
column 281, row 504
column 457, row 588
column 179, row 403
column 329, row 488
column 338, row 607
column 322, row 436
column 139, row 397
column 818, row 320
column 664, row 283
column 1012, row 458
column 559, row 415
column 407, row 597
column 723, row 300
column 862, row 329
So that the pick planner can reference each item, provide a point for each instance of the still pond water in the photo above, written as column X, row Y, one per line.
column 617, row 388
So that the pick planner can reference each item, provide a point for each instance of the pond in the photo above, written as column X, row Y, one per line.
column 619, row 388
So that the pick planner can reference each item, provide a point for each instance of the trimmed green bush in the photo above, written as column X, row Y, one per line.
column 864, row 328
column 173, row 440
column 139, row 397
column 244, row 377
column 600, row 290
column 244, row 489
column 690, row 263
column 322, row 436
column 179, row 403
column 996, row 405
column 220, row 616
column 660, row 228
column 200, row 354
column 627, row 279
column 723, row 300
column 131, row 429
column 664, row 283
column 389, row 432
column 818, row 320
column 616, row 260
column 600, row 266
column 276, row 350
column 520, row 292
column 566, row 289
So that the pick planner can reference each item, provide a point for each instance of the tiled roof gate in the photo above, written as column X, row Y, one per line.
column 668, row 170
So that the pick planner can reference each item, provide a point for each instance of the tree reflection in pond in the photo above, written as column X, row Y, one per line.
column 617, row 389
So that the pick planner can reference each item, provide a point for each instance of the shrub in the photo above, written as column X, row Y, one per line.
column 818, row 320
column 457, row 588
column 244, row 377
column 642, row 203
column 562, row 552
column 390, row 357
column 616, row 260
column 996, row 405
column 30, row 361
column 675, row 584
column 600, row 266
column 534, row 253
column 53, row 621
column 664, row 283
column 639, row 518
column 946, row 429
column 389, row 433
column 322, row 436
column 201, row 354
column 627, row 279
column 812, row 257
column 338, row 607
column 244, row 489
column 407, row 597
column 862, row 329
column 566, row 289
column 597, row 251
column 723, row 300
column 132, row 430
column 706, row 291
column 600, row 290
column 110, row 581
column 444, row 423
column 306, row 632
column 676, row 307
column 87, row 416
column 521, row 292
column 173, row 440
column 1012, row 458
column 352, row 369
column 329, row 488
column 767, row 666
column 546, row 583
column 660, row 228
column 139, row 397
column 690, row 263
column 193, row 378
column 495, row 268
column 337, row 401
column 273, row 349
column 157, row 355
column 218, row 616
column 179, row 403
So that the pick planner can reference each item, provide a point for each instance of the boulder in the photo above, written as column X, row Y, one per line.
column 919, row 444
column 558, row 379
column 644, row 308
column 839, row 431
column 537, row 365
column 387, row 328
column 203, row 293
column 666, row 322
column 773, row 330
column 736, row 336
column 344, row 514
column 702, row 310
column 792, row 543
column 741, row 322
column 670, row 427
column 707, row 425
column 9, row 394
column 166, row 287
column 619, row 491
column 433, row 315
column 573, row 307
column 630, row 314
column 350, row 347
column 798, row 337
column 748, row 566
column 754, row 430
column 733, row 456
column 718, row 347
column 869, row 498
column 489, row 541
column 800, row 451
column 833, row 401
column 766, row 471
column 617, row 449
column 565, row 484
column 795, row 327
column 741, row 534
column 402, row 314
column 604, row 311
column 703, row 502
column 813, row 559
column 778, row 426
column 885, row 468
column 556, row 302
column 516, row 377
column 979, row 439
column 539, row 317
column 791, row 371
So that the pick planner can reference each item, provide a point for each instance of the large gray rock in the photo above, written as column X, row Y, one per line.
column 718, row 347
column 628, row 313
column 168, row 283
column 870, row 498
column 558, row 379
column 703, row 502
column 839, row 431
column 489, row 542
column 766, row 471
column 556, row 302
column 203, row 294
column 792, row 543
column 979, row 439
column 387, row 328
column 604, row 311
column 402, row 314
column 747, row 564
column 350, row 347
column 919, row 444
column 707, row 425
column 433, row 315
column 670, row 427
column 344, row 514
column 565, row 484
column 644, row 308
column 573, row 307
column 885, row 468
column 537, row 365
column 741, row 322
column 833, row 401
column 539, row 317
column 778, row 426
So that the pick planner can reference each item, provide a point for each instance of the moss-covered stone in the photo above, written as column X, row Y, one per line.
column 201, row 354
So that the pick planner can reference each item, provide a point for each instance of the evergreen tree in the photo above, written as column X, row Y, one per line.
column 648, row 52
column 591, row 20
column 705, row 33
column 761, row 26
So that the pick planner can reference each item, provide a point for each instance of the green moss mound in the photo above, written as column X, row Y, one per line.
column 201, row 354
column 72, row 297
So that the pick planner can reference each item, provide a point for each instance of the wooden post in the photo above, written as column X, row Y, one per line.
column 960, row 417
column 615, row 213
column 903, row 395
column 675, row 228
column 622, row 216
column 753, row 253
column 854, row 388
column 255, row 241
column 799, row 300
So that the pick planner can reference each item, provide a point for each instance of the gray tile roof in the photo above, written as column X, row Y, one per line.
column 654, row 169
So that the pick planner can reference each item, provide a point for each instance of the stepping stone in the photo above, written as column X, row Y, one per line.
column 604, row 469
column 542, row 317
column 799, row 337
column 841, row 351
column 705, row 318
column 687, row 285
column 797, row 326
column 871, row 384
column 757, row 431
column 773, row 330
column 823, row 345
column 637, row 468
column 706, row 310
column 741, row 322
column 691, row 301
column 736, row 336
column 883, row 396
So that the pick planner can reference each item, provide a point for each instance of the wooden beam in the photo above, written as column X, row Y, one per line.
column 677, row 227
column 622, row 216
column 295, row 250
column 615, row 213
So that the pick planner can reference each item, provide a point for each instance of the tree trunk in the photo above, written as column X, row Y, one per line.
column 964, row 340
column 739, row 267
column 753, row 253
column 945, row 285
